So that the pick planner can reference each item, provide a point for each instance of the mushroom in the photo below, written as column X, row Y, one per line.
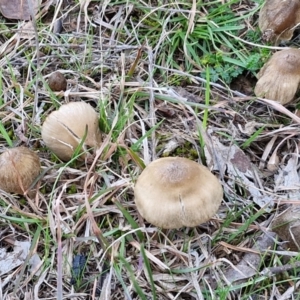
column 279, row 78
column 173, row 192
column 57, row 82
column 19, row 167
column 19, row 10
column 278, row 19
column 287, row 227
column 64, row 129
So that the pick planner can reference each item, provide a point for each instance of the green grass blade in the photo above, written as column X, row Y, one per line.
column 207, row 98
column 149, row 271
column 5, row 135
column 130, row 220
column 137, row 288
column 252, row 138
column 136, row 146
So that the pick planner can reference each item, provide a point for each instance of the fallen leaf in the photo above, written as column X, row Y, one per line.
column 250, row 263
column 171, row 146
column 11, row 260
column 239, row 170
column 288, row 179
column 287, row 226
column 35, row 263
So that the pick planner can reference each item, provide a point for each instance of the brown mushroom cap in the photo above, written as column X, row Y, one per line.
column 19, row 167
column 287, row 227
column 173, row 192
column 280, row 77
column 19, row 10
column 57, row 82
column 64, row 129
column 278, row 19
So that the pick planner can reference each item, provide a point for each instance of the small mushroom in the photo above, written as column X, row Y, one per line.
column 278, row 19
column 173, row 192
column 19, row 167
column 287, row 227
column 57, row 82
column 279, row 78
column 64, row 129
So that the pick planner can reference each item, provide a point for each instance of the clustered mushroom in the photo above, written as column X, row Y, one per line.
column 280, row 77
column 19, row 167
column 64, row 130
column 173, row 192
column 278, row 19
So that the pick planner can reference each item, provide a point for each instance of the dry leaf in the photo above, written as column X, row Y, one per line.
column 26, row 30
column 171, row 146
column 11, row 260
column 249, row 265
column 288, row 178
column 250, row 127
column 35, row 263
column 286, row 225
column 239, row 169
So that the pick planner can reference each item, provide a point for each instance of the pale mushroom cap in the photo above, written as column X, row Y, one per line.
column 173, row 192
column 278, row 19
column 19, row 167
column 280, row 77
column 64, row 129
